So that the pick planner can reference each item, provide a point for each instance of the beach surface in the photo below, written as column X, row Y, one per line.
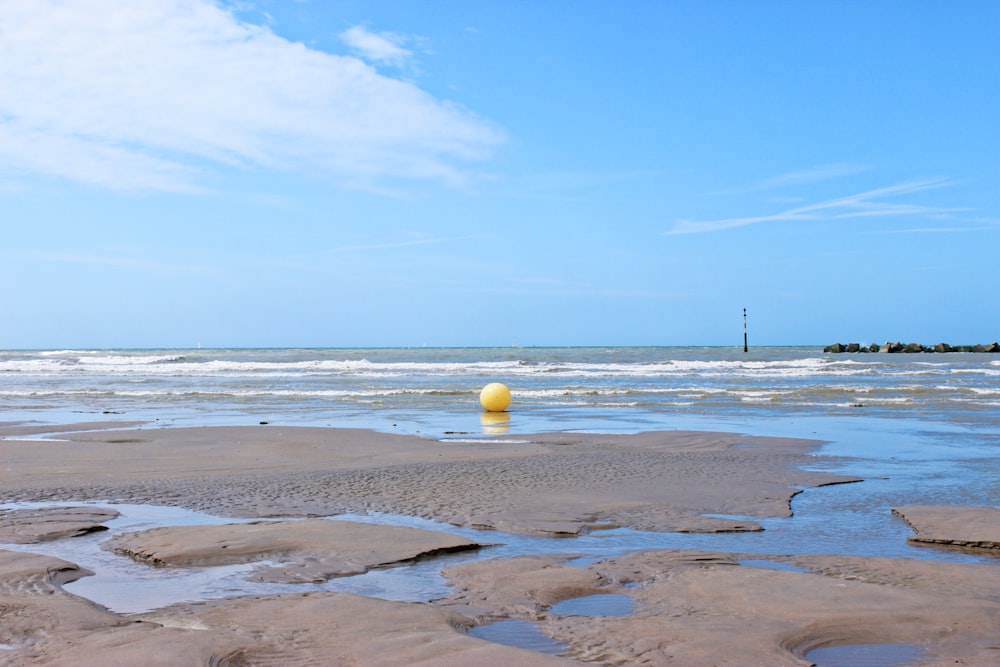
column 692, row 608
column 548, row 483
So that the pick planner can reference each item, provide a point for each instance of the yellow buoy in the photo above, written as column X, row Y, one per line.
column 495, row 397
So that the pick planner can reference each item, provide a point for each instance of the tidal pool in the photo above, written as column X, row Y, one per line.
column 866, row 655
column 125, row 586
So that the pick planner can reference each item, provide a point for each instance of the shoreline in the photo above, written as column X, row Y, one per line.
column 554, row 484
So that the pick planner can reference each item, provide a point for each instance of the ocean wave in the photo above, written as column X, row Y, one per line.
column 229, row 393
column 657, row 381
column 130, row 361
column 979, row 391
column 68, row 353
column 989, row 372
column 178, row 364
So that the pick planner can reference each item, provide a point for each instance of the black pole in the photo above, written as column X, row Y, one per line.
column 744, row 329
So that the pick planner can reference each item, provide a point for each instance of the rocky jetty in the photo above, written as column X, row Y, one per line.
column 898, row 347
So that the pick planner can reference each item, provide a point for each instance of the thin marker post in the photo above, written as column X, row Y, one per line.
column 745, row 330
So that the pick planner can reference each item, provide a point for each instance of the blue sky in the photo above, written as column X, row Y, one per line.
column 373, row 173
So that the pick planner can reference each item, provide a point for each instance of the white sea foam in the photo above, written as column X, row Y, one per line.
column 171, row 365
column 981, row 391
column 232, row 393
column 321, row 382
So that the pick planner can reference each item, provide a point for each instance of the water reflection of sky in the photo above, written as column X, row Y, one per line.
column 125, row 586
column 902, row 462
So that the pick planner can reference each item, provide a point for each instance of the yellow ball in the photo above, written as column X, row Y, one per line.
column 495, row 397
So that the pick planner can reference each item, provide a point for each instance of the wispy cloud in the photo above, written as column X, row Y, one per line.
column 383, row 47
column 388, row 245
column 868, row 204
column 974, row 227
column 164, row 94
column 817, row 174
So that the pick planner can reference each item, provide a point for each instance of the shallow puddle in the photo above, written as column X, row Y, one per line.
column 602, row 604
column 519, row 634
column 125, row 586
column 866, row 655
column 772, row 565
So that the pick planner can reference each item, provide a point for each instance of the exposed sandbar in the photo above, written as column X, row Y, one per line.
column 309, row 550
column 549, row 483
column 692, row 608
column 43, row 625
column 704, row 608
column 953, row 526
column 44, row 524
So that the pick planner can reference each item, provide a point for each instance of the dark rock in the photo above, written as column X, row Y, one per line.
column 911, row 348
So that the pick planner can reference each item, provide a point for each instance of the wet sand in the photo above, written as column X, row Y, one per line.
column 692, row 608
column 705, row 608
column 966, row 527
column 310, row 550
column 547, row 484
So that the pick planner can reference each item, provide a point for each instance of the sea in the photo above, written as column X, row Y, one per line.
column 919, row 428
column 436, row 390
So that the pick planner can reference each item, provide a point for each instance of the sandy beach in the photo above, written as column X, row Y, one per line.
column 691, row 608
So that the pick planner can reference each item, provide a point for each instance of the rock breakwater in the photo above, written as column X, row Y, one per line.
column 897, row 347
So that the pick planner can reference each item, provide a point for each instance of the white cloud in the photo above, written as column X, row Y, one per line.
column 381, row 48
column 157, row 94
column 866, row 204
column 816, row 174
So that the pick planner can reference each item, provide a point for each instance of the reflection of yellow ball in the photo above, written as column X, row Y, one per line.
column 495, row 423
column 495, row 397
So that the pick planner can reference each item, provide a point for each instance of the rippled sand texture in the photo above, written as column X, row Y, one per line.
column 310, row 550
column 704, row 608
column 692, row 608
column 43, row 625
column 551, row 483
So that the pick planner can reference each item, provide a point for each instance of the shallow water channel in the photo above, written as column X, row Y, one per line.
column 901, row 464
column 125, row 586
